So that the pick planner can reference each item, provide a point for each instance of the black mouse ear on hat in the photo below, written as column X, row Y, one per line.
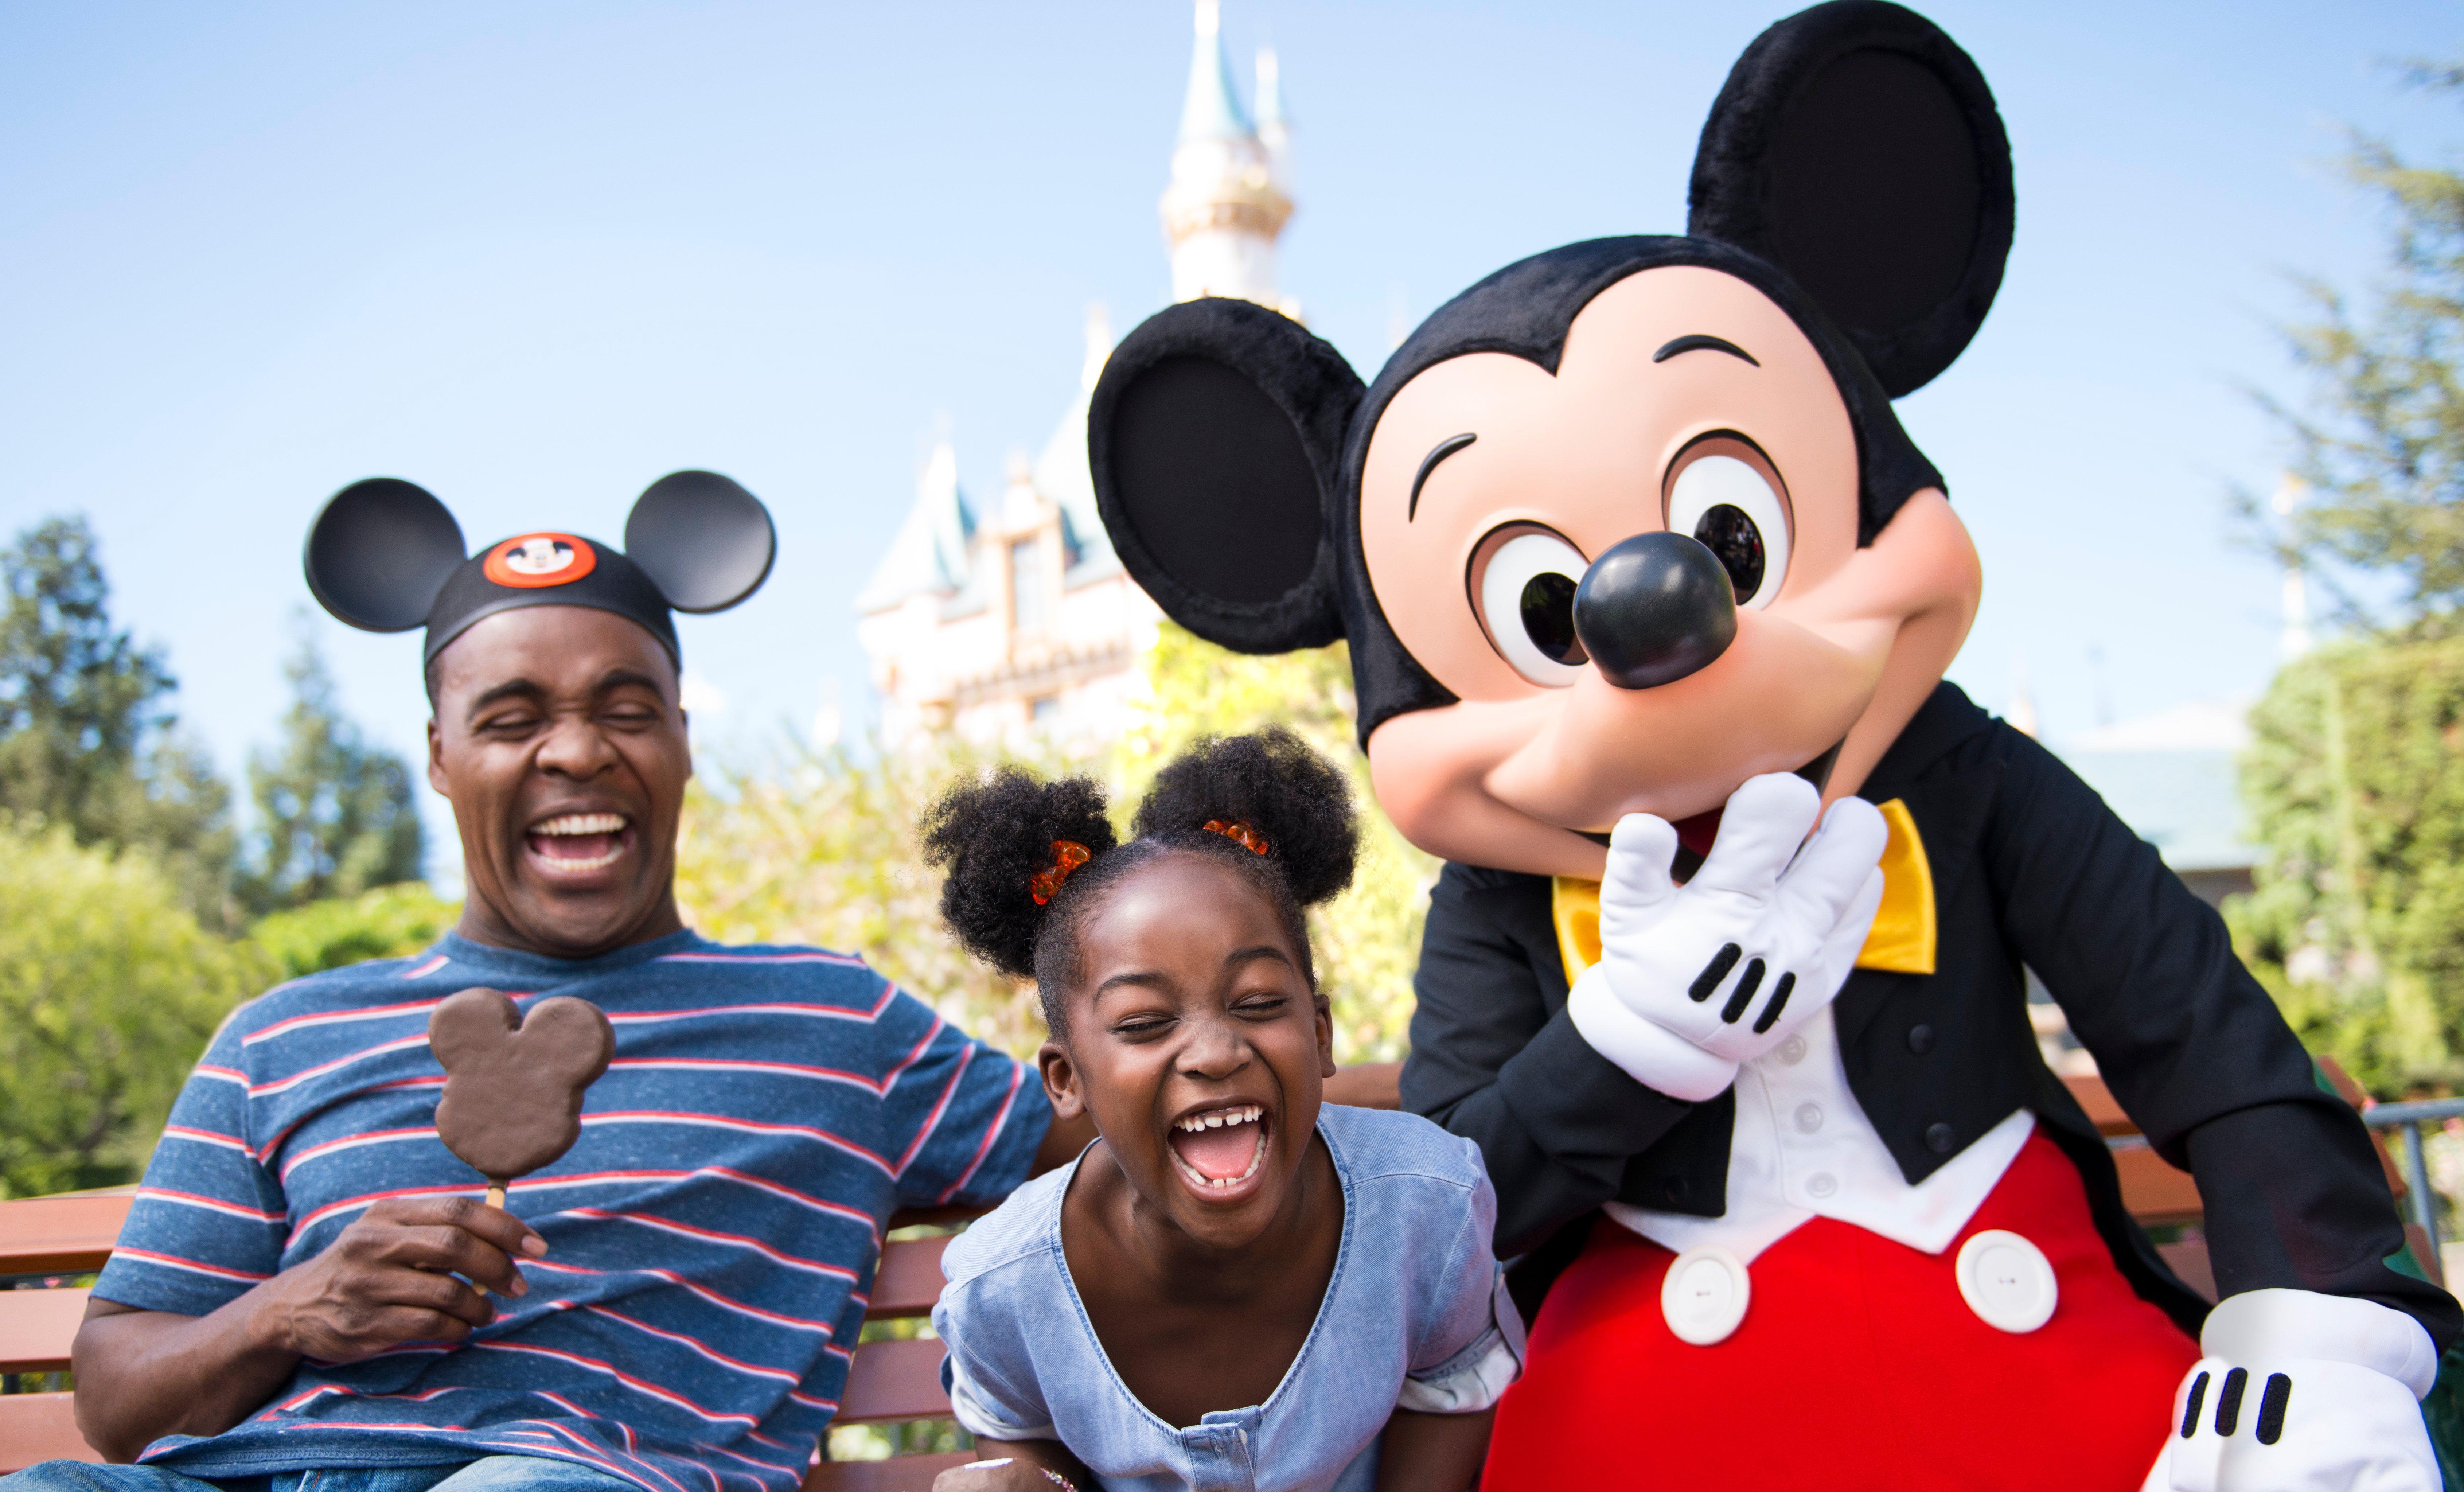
column 379, row 552
column 1857, row 147
column 1215, row 437
column 706, row 542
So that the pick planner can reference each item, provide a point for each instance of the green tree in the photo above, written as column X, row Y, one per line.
column 334, row 815
column 2355, row 776
column 2355, row 781
column 2380, row 444
column 88, row 741
column 389, row 922
column 109, row 989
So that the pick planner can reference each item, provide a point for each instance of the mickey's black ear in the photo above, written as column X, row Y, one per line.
column 1216, row 439
column 379, row 552
column 707, row 542
column 1857, row 148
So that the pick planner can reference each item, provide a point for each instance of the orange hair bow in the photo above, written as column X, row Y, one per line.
column 1240, row 831
column 1068, row 855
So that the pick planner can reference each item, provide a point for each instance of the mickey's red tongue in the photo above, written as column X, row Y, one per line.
column 1219, row 1155
column 1699, row 831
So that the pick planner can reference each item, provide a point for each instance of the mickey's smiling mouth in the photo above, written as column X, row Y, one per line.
column 1219, row 1149
column 577, row 843
column 1695, row 834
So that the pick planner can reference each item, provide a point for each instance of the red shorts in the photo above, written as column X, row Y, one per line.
column 1859, row 1366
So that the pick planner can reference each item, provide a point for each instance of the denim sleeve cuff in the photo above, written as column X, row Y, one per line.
column 1472, row 1379
column 971, row 1408
column 1466, row 1383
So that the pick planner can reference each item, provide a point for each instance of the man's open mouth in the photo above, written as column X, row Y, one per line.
column 1216, row 1149
column 575, row 844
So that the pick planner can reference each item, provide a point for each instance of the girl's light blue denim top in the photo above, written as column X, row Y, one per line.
column 1416, row 1315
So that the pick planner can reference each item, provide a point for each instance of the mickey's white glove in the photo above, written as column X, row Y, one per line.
column 1695, row 979
column 2303, row 1392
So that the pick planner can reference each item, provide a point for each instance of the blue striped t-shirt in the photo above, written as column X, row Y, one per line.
column 711, row 1238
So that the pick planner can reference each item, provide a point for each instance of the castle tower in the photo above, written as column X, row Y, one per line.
column 1225, row 206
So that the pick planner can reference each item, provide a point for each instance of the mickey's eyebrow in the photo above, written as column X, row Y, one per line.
column 1429, row 462
column 1698, row 343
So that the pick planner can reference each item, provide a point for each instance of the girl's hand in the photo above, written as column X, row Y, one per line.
column 1020, row 1467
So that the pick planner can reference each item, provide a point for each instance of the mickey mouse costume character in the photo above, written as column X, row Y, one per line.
column 1639, row 573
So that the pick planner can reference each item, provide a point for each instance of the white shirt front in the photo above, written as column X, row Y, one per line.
column 1802, row 1149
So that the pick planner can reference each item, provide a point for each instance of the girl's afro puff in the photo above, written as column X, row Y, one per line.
column 1291, row 797
column 993, row 836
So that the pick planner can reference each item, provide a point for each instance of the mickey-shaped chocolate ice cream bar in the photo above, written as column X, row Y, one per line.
column 385, row 555
column 513, row 1087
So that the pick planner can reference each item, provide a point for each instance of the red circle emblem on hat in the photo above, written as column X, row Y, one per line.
column 537, row 559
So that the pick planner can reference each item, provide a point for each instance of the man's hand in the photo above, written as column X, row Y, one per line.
column 1694, row 981
column 142, row 1374
column 387, row 1279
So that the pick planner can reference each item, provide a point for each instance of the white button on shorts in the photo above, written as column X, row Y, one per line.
column 2006, row 1280
column 1705, row 1294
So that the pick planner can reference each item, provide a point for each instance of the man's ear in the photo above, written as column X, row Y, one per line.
column 1216, row 439
column 1060, row 1080
column 1857, row 147
column 379, row 552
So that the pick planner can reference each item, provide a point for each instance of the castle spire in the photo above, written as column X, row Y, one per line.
column 1224, row 208
column 1212, row 109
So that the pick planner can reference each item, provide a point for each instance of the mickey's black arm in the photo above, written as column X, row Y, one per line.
column 2193, row 1048
column 1494, row 1058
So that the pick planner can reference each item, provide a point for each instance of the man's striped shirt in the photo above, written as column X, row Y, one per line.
column 711, row 1238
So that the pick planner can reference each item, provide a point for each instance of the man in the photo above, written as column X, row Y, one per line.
column 673, row 1303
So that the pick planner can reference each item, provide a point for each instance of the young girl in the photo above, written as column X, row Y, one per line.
column 1233, row 1288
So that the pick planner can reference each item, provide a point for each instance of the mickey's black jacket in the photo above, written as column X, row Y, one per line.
column 2029, row 866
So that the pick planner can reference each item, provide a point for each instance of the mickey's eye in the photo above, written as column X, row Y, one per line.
column 1523, row 582
column 1730, row 502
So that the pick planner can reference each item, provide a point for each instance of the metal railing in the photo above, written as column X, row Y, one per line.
column 2409, row 1118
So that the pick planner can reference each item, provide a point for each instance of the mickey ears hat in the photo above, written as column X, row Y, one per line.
column 385, row 555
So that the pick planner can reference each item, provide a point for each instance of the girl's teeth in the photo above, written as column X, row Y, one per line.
column 1216, row 1121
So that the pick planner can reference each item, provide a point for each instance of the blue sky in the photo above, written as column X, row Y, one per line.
column 533, row 255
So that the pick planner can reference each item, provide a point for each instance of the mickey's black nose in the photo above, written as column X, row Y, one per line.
column 1654, row 609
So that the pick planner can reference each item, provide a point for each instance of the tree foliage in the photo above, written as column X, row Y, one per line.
column 2380, row 444
column 88, row 739
column 334, row 815
column 109, row 988
column 2355, row 779
column 390, row 922
column 2354, row 776
column 822, row 849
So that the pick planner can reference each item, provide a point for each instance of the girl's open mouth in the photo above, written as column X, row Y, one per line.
column 1218, row 1150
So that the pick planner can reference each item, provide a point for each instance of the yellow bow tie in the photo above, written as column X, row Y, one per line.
column 1902, row 941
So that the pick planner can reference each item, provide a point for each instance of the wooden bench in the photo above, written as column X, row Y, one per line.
column 2163, row 1199
column 889, row 1382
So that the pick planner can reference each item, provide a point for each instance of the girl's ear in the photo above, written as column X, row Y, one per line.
column 1061, row 1081
column 1856, row 146
column 1325, row 1038
column 1214, row 438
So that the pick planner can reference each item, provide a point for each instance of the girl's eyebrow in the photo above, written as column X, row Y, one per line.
column 1159, row 980
column 1241, row 955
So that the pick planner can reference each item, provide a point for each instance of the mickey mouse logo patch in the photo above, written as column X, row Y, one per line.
column 537, row 559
